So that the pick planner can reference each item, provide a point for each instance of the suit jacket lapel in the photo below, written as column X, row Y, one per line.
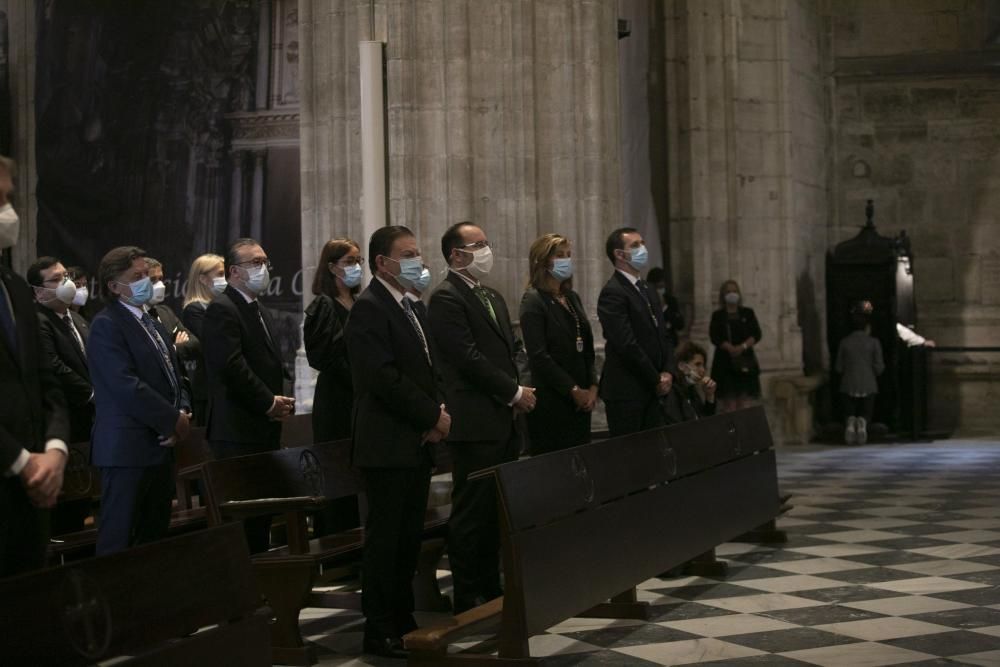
column 477, row 305
column 555, row 311
column 261, row 324
column 396, row 312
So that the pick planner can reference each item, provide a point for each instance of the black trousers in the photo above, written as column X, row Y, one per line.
column 474, row 528
column 859, row 406
column 257, row 529
column 626, row 417
column 135, row 506
column 24, row 532
column 397, row 503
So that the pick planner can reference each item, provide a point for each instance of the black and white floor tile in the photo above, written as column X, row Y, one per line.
column 893, row 558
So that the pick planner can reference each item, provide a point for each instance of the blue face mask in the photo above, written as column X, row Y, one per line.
column 352, row 275
column 562, row 268
column 639, row 257
column 424, row 282
column 142, row 292
column 410, row 270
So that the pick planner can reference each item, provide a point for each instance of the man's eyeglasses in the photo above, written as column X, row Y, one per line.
column 478, row 245
column 257, row 263
column 55, row 280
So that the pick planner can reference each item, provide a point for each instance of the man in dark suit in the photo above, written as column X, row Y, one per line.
column 397, row 411
column 471, row 329
column 142, row 409
column 246, row 377
column 33, row 421
column 639, row 360
column 63, row 335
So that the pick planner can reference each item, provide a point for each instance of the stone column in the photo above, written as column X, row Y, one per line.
column 21, row 72
column 501, row 112
column 236, row 197
column 257, row 194
column 736, row 201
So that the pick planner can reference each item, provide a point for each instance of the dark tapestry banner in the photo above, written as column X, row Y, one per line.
column 134, row 105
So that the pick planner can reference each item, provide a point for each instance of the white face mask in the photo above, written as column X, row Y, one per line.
column 82, row 294
column 482, row 262
column 159, row 293
column 10, row 226
column 257, row 279
column 219, row 285
column 66, row 292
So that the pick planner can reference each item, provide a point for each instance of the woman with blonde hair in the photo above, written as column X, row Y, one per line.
column 206, row 278
column 560, row 347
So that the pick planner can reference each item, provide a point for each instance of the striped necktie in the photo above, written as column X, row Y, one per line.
column 168, row 366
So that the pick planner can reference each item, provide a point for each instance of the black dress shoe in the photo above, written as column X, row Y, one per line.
column 387, row 647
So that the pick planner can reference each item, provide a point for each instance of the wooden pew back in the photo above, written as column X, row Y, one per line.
column 142, row 602
column 320, row 470
column 584, row 524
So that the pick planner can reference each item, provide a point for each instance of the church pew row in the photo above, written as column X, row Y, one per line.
column 582, row 527
column 74, row 519
column 291, row 483
column 151, row 605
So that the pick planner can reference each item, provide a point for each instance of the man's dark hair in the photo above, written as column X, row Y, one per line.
column 381, row 242
column 616, row 241
column 452, row 238
column 656, row 276
column 34, row 274
column 687, row 350
column 116, row 262
column 232, row 256
column 76, row 272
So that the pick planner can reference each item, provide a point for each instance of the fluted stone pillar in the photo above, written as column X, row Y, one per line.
column 741, row 205
column 502, row 112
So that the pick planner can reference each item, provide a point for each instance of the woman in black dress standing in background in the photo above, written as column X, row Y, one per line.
column 560, row 348
column 734, row 332
column 336, row 284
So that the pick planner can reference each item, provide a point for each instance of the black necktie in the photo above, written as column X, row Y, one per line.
column 255, row 307
column 76, row 334
column 7, row 323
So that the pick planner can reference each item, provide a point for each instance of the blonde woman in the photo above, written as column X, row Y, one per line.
column 206, row 279
column 560, row 348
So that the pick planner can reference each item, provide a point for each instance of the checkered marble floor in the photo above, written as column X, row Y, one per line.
column 893, row 558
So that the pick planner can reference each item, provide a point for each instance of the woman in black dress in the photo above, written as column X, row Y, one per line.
column 206, row 280
column 337, row 282
column 734, row 332
column 560, row 348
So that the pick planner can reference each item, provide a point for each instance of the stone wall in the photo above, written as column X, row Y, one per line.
column 917, row 122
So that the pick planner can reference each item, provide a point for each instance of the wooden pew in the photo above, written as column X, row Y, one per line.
column 140, row 607
column 297, row 431
column 188, row 459
column 290, row 483
column 582, row 525
column 73, row 538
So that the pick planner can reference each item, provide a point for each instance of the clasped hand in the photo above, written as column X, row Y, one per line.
column 42, row 477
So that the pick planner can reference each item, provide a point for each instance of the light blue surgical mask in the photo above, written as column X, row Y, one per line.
column 410, row 270
column 352, row 275
column 258, row 279
column 219, row 285
column 562, row 268
column 142, row 292
column 639, row 257
column 424, row 282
